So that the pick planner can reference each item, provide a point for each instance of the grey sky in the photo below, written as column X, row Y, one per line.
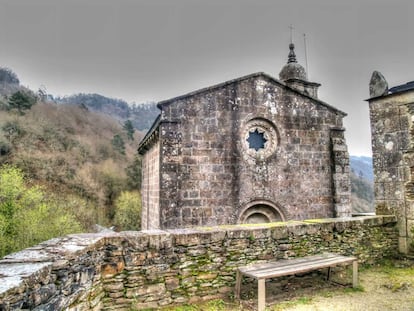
column 147, row 50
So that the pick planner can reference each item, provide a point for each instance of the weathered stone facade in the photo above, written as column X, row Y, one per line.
column 254, row 149
column 392, row 117
column 139, row 270
column 150, row 186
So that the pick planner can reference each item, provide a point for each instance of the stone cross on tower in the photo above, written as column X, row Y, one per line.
column 291, row 33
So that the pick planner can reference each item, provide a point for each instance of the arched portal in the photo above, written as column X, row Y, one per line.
column 261, row 212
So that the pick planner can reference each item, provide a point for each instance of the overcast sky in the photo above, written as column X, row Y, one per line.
column 151, row 50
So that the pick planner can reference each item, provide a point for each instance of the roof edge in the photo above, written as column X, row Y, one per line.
column 209, row 88
column 143, row 145
column 388, row 95
column 253, row 75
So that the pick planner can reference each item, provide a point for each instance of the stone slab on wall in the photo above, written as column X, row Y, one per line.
column 54, row 274
column 149, row 269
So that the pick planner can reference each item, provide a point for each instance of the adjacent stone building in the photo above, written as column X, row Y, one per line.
column 392, row 117
column 250, row 150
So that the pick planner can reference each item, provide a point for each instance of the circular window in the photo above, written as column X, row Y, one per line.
column 260, row 138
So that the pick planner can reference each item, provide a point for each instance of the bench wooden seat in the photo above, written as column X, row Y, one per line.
column 267, row 270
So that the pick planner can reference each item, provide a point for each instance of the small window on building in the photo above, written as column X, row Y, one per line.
column 256, row 140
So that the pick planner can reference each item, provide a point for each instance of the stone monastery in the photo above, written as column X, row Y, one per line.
column 251, row 150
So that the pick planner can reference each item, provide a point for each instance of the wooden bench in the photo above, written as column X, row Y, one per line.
column 263, row 271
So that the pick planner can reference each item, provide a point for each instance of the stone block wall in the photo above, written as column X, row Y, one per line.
column 393, row 160
column 340, row 178
column 149, row 269
column 150, row 190
column 211, row 176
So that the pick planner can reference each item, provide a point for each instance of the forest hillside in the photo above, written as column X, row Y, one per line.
column 72, row 162
column 362, row 184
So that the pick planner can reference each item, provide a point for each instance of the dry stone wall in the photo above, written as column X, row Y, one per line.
column 149, row 269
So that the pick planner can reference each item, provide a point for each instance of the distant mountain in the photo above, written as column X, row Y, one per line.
column 141, row 115
column 362, row 166
column 362, row 184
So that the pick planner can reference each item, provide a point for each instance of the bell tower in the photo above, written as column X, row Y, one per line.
column 294, row 75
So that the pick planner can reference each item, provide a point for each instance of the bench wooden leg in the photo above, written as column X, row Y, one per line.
column 355, row 274
column 328, row 277
column 238, row 284
column 261, row 294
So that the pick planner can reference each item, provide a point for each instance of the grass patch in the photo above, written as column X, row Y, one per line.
column 357, row 289
column 300, row 301
column 395, row 270
column 212, row 305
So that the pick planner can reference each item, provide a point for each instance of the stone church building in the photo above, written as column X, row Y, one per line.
column 251, row 150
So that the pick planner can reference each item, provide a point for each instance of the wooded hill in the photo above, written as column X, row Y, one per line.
column 84, row 159
column 362, row 184
column 141, row 115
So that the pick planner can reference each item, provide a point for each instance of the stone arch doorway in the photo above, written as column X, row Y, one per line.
column 261, row 211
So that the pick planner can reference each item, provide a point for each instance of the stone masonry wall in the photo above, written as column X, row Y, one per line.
column 393, row 160
column 341, row 181
column 54, row 275
column 149, row 269
column 210, row 176
column 150, row 190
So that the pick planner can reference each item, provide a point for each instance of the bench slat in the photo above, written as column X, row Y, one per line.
column 263, row 271
column 299, row 265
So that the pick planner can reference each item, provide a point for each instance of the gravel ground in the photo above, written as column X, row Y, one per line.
column 380, row 293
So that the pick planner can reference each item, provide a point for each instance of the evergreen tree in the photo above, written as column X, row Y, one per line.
column 129, row 129
column 118, row 144
column 21, row 101
column 133, row 172
column 7, row 76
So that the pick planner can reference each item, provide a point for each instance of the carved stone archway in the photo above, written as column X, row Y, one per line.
column 261, row 211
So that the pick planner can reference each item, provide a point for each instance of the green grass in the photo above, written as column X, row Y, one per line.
column 357, row 289
column 299, row 301
column 212, row 305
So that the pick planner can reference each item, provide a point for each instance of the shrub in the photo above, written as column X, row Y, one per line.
column 5, row 148
column 3, row 104
column 128, row 211
column 85, row 211
column 27, row 217
column 12, row 130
